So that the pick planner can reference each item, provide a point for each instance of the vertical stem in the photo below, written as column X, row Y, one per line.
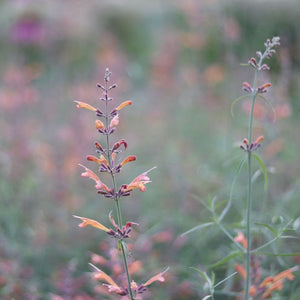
column 119, row 215
column 249, row 197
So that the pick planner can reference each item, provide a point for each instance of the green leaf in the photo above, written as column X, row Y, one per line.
column 119, row 246
column 279, row 254
column 263, row 168
column 237, row 100
column 207, row 297
column 213, row 279
column 201, row 201
column 237, row 172
column 225, row 259
column 198, row 227
column 204, row 275
column 269, row 103
column 269, row 227
column 223, row 280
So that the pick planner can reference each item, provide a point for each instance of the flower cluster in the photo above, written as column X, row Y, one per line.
column 120, row 233
column 112, row 286
column 262, row 289
column 108, row 160
column 259, row 66
column 253, row 146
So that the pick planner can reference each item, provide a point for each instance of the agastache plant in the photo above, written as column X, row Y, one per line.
column 248, row 146
column 253, row 286
column 108, row 159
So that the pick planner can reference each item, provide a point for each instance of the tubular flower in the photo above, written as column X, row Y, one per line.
column 139, row 182
column 90, row 222
column 241, row 270
column 138, row 289
column 122, row 105
column 127, row 160
column 275, row 283
column 99, row 184
column 85, row 105
column 158, row 277
column 93, row 158
column 110, row 283
column 99, row 125
column 101, row 160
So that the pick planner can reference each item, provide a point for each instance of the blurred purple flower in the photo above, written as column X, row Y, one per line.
column 29, row 30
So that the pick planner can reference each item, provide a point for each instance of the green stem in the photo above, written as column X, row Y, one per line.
column 127, row 272
column 249, row 198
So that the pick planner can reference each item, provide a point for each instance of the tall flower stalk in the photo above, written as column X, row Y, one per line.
column 108, row 160
column 248, row 145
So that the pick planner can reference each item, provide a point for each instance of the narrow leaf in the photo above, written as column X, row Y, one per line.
column 270, row 104
column 198, row 227
column 237, row 100
column 264, row 170
column 279, row 254
column 207, row 297
column 204, row 276
column 201, row 201
column 237, row 172
column 223, row 280
column 225, row 259
column 269, row 227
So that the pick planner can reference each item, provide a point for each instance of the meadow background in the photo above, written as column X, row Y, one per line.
column 179, row 62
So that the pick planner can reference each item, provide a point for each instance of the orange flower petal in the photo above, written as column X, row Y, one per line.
column 99, row 125
column 93, row 158
column 100, row 275
column 277, row 286
column 122, row 105
column 90, row 222
column 85, row 105
column 128, row 159
column 285, row 274
column 241, row 270
column 259, row 139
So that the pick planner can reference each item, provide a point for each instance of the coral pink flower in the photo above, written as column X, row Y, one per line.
column 139, row 182
column 99, row 184
column 158, row 277
column 240, row 238
column 114, row 121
